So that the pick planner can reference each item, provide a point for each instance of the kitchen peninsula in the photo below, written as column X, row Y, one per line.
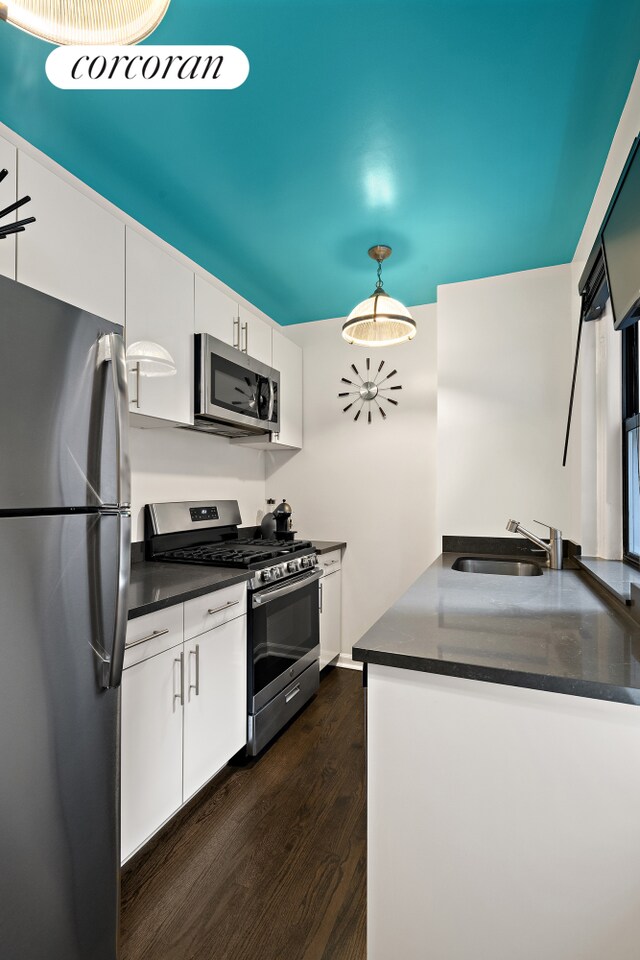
column 503, row 782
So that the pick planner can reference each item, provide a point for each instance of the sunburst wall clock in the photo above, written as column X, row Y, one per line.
column 17, row 226
column 370, row 390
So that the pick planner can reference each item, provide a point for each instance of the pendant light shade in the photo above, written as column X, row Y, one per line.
column 85, row 22
column 379, row 321
column 151, row 359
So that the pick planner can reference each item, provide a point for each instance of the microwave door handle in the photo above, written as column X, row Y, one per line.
column 272, row 400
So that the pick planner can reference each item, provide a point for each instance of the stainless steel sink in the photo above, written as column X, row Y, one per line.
column 504, row 568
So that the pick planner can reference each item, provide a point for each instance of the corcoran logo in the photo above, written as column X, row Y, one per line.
column 147, row 67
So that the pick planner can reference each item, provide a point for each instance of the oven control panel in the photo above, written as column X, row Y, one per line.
column 279, row 571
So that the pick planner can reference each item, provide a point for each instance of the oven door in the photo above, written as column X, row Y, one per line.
column 284, row 635
column 234, row 388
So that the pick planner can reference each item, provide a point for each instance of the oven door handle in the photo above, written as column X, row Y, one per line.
column 265, row 596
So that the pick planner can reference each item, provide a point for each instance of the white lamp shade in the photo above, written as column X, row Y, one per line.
column 379, row 321
column 152, row 358
column 86, row 22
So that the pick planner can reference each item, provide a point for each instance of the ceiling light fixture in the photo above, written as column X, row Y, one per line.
column 149, row 359
column 85, row 22
column 379, row 321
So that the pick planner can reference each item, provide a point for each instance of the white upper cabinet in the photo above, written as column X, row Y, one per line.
column 255, row 336
column 216, row 313
column 8, row 156
column 223, row 317
column 75, row 249
column 160, row 308
column 287, row 358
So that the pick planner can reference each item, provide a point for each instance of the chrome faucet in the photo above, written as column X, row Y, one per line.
column 553, row 549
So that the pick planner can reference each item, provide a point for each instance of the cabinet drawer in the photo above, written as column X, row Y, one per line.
column 152, row 634
column 210, row 611
column 332, row 561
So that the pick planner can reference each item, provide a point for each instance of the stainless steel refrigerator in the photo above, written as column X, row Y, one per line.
column 64, row 569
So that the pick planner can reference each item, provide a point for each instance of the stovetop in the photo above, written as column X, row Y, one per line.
column 247, row 554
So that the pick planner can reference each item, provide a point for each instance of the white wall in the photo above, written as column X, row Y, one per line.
column 372, row 486
column 504, row 373
column 176, row 464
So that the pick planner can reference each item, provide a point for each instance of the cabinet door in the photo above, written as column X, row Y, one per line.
column 75, row 249
column 159, row 308
column 151, row 751
column 216, row 313
column 330, row 618
column 255, row 336
column 215, row 714
column 8, row 158
column 287, row 358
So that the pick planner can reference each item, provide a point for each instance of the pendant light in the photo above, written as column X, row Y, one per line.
column 379, row 321
column 149, row 359
column 85, row 22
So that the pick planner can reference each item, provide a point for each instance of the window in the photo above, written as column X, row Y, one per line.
column 631, row 444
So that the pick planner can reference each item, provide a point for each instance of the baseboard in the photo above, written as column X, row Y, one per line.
column 346, row 660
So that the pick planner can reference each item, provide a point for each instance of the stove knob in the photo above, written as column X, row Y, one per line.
column 292, row 566
column 266, row 575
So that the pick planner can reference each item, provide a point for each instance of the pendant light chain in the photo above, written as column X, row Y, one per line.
column 379, row 271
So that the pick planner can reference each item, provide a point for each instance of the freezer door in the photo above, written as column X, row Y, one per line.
column 63, row 405
column 59, row 737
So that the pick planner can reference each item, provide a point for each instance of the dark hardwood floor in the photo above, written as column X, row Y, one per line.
column 268, row 862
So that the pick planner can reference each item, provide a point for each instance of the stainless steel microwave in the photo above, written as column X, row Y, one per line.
column 235, row 395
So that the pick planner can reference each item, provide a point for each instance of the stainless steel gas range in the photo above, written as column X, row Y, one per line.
column 283, row 624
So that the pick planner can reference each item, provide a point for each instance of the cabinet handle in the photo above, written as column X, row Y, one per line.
column 320, row 595
column 136, row 399
column 231, row 603
column 290, row 696
column 330, row 563
column 236, row 332
column 151, row 636
column 245, row 327
column 195, row 686
column 180, row 696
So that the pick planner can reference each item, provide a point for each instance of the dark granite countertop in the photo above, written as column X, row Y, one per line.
column 156, row 585
column 325, row 546
column 553, row 632
column 614, row 575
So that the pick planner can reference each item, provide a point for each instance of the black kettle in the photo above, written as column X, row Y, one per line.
column 282, row 513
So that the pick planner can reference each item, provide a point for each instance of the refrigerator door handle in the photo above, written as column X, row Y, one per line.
column 116, row 354
column 113, row 670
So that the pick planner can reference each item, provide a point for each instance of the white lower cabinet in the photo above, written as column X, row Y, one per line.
column 184, row 715
column 151, row 750
column 215, row 716
column 330, row 616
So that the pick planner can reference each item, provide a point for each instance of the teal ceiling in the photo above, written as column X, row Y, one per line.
column 467, row 134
